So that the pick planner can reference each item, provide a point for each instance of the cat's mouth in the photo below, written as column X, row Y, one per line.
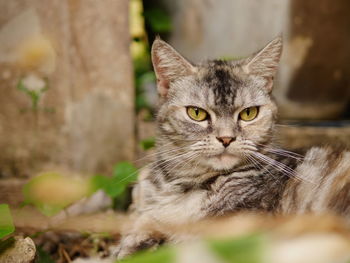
column 223, row 161
column 225, row 157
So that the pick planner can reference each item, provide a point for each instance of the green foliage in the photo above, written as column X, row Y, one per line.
column 148, row 143
column 6, row 222
column 34, row 95
column 117, row 185
column 141, row 58
column 51, row 192
column 30, row 196
column 162, row 255
column 158, row 20
column 98, row 182
column 124, row 173
column 244, row 250
column 142, row 79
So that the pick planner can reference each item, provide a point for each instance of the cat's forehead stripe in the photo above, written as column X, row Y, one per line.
column 219, row 77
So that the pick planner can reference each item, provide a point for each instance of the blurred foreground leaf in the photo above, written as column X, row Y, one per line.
column 6, row 222
column 51, row 192
column 243, row 250
column 162, row 255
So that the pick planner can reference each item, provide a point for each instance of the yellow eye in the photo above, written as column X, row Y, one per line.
column 249, row 114
column 197, row 114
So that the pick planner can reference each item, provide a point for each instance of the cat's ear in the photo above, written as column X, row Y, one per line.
column 168, row 65
column 264, row 63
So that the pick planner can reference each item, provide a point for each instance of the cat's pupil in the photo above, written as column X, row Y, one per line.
column 248, row 111
column 196, row 111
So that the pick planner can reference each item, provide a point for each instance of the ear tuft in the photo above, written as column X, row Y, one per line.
column 265, row 62
column 168, row 65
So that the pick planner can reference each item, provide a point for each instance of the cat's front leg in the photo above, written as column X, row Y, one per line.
column 134, row 242
column 231, row 194
column 142, row 235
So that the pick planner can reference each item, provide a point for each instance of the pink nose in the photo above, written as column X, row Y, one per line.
column 225, row 140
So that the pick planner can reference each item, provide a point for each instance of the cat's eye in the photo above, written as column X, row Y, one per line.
column 249, row 114
column 197, row 114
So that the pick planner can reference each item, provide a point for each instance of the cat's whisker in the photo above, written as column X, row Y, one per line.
column 281, row 166
column 259, row 165
column 196, row 165
column 170, row 161
column 285, row 154
column 150, row 165
column 290, row 152
column 274, row 163
column 163, row 152
column 282, row 153
column 185, row 162
column 249, row 148
column 270, row 147
column 177, row 148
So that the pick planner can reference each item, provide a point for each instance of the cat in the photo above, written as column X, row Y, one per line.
column 215, row 151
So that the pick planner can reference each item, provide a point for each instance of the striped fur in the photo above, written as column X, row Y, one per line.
column 195, row 176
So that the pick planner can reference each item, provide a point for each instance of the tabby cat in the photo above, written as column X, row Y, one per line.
column 215, row 152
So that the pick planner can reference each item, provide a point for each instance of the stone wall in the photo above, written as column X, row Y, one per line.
column 84, row 121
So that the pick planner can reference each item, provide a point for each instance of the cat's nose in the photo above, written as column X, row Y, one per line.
column 225, row 140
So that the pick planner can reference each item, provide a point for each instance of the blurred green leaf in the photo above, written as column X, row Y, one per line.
column 162, row 255
column 99, row 182
column 30, row 196
column 158, row 20
column 124, row 173
column 115, row 188
column 244, row 250
column 51, row 192
column 6, row 222
column 148, row 143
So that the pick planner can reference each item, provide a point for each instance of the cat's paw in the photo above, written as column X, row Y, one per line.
column 132, row 243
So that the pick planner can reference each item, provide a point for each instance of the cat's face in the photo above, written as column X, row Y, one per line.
column 219, row 111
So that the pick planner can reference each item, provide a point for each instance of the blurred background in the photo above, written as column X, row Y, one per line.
column 76, row 78
column 78, row 93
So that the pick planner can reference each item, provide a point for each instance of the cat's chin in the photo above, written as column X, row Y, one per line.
column 223, row 161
